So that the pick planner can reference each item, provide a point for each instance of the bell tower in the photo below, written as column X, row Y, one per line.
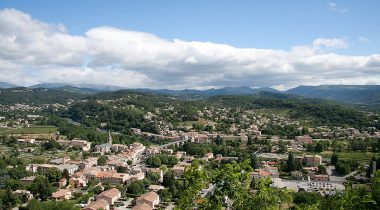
column 109, row 137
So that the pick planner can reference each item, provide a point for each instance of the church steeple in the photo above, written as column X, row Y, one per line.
column 109, row 137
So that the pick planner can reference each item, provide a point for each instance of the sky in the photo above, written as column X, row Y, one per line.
column 190, row 44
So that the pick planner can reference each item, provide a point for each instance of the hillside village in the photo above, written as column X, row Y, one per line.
column 147, row 172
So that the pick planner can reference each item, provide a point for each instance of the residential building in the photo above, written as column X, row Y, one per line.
column 178, row 170
column 260, row 173
column 27, row 180
column 303, row 139
column 61, row 194
column 157, row 171
column 142, row 207
column 98, row 204
column 43, row 168
column 82, row 144
column 110, row 195
column 150, row 198
column 320, row 177
column 312, row 160
column 209, row 155
column 25, row 193
column 62, row 182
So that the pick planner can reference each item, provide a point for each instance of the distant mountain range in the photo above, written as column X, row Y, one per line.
column 194, row 94
column 91, row 88
column 354, row 94
column 4, row 85
column 37, row 96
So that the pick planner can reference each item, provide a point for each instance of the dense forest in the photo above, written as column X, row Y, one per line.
column 317, row 111
column 37, row 96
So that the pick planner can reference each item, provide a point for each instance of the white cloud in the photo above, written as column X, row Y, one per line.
column 335, row 43
column 363, row 39
column 33, row 51
column 334, row 8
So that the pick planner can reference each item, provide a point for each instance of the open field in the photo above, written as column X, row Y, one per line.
column 362, row 157
column 30, row 130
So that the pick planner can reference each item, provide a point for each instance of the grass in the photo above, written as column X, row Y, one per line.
column 30, row 130
column 362, row 157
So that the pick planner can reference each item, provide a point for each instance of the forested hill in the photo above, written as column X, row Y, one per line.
column 148, row 101
column 36, row 96
column 362, row 94
column 199, row 94
column 318, row 111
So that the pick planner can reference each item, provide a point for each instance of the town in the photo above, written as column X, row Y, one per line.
column 68, row 153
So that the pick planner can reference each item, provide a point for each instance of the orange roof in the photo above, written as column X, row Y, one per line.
column 111, row 193
column 98, row 204
column 142, row 207
column 149, row 196
column 104, row 174
column 59, row 193
column 262, row 172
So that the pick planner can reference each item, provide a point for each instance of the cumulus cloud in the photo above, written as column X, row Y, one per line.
column 334, row 43
column 32, row 51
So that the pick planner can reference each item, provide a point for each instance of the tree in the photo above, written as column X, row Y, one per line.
column 65, row 174
column 319, row 147
column 51, row 145
column 121, row 169
column 164, row 168
column 291, row 164
column 304, row 199
column 334, row 159
column 53, row 174
column 153, row 177
column 85, row 155
column 342, row 168
column 218, row 140
column 282, row 146
column 169, row 179
column 194, row 180
column 14, row 184
column 376, row 187
column 102, row 160
column 255, row 161
column 136, row 187
column 8, row 199
column 322, row 169
column 129, row 162
column 96, row 190
column 153, row 161
column 250, row 140
column 61, row 205
column 41, row 187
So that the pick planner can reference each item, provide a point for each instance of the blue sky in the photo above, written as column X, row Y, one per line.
column 261, row 24
column 190, row 44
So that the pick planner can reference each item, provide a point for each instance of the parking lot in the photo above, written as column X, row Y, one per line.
column 324, row 186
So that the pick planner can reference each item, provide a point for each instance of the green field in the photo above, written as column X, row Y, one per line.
column 362, row 157
column 30, row 130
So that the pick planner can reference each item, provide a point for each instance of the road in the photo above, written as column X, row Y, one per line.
column 170, row 206
column 126, row 203
column 172, row 143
